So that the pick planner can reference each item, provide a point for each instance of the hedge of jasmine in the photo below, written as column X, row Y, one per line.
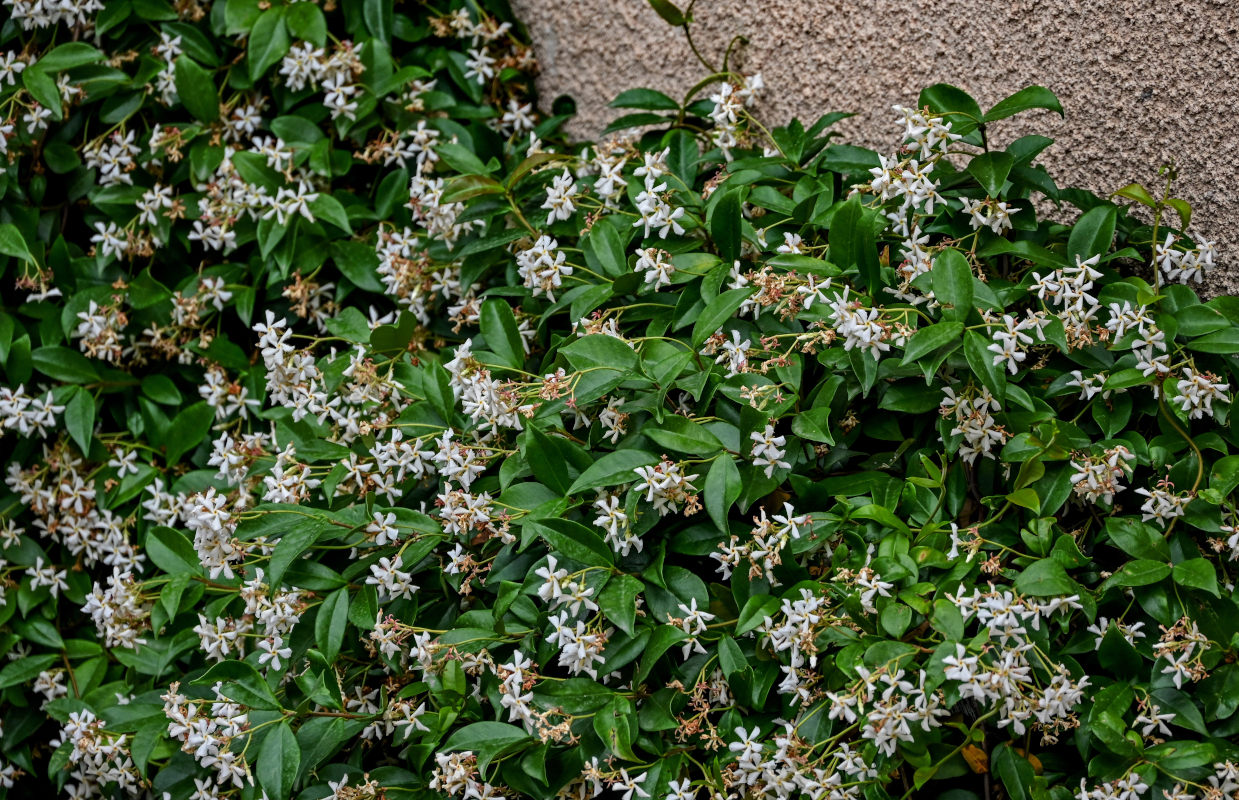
column 363, row 439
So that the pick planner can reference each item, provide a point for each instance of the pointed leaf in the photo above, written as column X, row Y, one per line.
column 1023, row 100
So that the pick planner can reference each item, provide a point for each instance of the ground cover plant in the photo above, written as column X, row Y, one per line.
column 362, row 438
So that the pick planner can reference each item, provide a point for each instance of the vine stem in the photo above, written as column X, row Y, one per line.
column 1200, row 459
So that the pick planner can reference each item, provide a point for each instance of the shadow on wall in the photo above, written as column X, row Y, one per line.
column 1140, row 83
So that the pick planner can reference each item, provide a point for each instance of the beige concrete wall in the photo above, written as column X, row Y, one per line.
column 1140, row 81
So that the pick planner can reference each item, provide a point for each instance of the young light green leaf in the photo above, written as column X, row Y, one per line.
column 1137, row 192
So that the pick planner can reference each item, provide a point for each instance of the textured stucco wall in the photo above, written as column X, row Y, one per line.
column 1140, row 82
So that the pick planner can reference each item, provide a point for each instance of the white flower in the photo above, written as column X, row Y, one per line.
column 542, row 267
column 768, row 450
column 559, row 197
column 656, row 266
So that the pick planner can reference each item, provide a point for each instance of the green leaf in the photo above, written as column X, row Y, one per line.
column 682, row 435
column 331, row 622
column 613, row 468
column 1023, row 100
column 947, row 620
column 964, row 114
column 614, row 724
column 645, row 99
column 378, row 18
column 172, row 552
column 290, row 547
column 69, row 55
column 668, row 11
column 1137, row 192
column 928, row 339
column 64, row 364
column 1137, row 539
column 277, row 762
column 618, row 601
column 328, row 209
column 1025, row 498
column 1014, row 771
column 755, row 611
column 26, row 669
column 43, row 89
column 350, row 324
column 306, row 21
column 1224, row 475
column 503, row 338
column 951, row 278
column 725, row 226
column 852, row 243
column 191, row 426
column 603, row 242
column 487, row 740
column 531, row 163
column 196, row 89
column 722, row 488
column 991, row 170
column 466, row 187
column 161, row 389
column 1140, row 572
column 1197, row 573
column 981, row 361
column 731, row 657
column 573, row 540
column 1223, row 342
column 242, row 683
column 895, row 619
column 1183, row 208
column 664, row 637
column 1045, row 578
column 268, row 42
column 718, row 311
column 683, row 156
column 358, row 262
column 461, row 159
column 600, row 350
column 1092, row 233
column 80, row 418
column 12, row 243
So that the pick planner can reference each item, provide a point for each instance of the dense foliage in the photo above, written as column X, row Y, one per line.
column 364, row 440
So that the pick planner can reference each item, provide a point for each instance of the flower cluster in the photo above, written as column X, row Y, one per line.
column 364, row 439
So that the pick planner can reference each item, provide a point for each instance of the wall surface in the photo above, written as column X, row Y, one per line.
column 1140, row 82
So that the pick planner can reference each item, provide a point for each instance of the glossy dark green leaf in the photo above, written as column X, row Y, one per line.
column 1027, row 98
column 991, row 170
column 196, row 88
column 268, row 42
column 278, row 760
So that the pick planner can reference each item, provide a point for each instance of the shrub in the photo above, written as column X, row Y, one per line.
column 362, row 444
